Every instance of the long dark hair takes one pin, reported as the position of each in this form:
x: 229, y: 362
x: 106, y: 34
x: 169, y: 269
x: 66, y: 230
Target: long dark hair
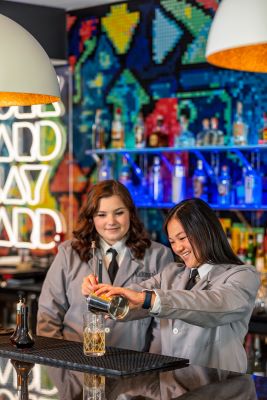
x: 138, y: 240
x: 204, y: 232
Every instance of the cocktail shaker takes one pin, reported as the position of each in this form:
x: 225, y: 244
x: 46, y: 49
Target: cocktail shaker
x: 117, y: 307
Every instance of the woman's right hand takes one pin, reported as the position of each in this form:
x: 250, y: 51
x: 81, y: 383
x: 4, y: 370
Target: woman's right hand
x: 89, y: 284
x: 136, y: 299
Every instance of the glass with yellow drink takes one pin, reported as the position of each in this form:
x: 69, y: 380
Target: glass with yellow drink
x: 93, y: 334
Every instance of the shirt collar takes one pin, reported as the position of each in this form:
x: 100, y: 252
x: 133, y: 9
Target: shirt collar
x: 204, y: 269
x: 118, y: 246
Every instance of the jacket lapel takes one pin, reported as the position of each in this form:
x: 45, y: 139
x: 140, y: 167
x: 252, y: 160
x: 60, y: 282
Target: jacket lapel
x: 184, y: 279
x: 126, y: 270
x: 217, y: 270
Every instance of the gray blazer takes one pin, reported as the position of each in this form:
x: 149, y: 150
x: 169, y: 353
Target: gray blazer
x: 61, y: 303
x: 208, y: 323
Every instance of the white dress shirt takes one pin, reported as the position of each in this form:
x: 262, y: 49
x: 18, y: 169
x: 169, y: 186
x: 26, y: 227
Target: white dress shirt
x: 118, y: 246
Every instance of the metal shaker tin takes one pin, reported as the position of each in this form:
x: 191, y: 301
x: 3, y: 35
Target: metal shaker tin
x: 117, y: 307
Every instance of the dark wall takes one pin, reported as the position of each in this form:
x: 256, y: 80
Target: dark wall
x: 46, y: 24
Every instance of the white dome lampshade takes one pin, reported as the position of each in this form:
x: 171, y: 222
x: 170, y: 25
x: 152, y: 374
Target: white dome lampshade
x: 27, y: 75
x: 238, y: 36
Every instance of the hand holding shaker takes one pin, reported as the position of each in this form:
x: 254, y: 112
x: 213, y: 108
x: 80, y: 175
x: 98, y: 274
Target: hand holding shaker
x: 117, y: 307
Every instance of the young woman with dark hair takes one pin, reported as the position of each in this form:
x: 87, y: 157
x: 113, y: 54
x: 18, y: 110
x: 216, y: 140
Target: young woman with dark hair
x: 205, y: 301
x: 108, y: 218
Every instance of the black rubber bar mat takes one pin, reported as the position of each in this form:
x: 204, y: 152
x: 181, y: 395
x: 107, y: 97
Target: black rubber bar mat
x: 68, y: 354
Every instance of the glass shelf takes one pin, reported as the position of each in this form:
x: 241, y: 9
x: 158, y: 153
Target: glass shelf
x: 145, y: 150
x: 216, y: 207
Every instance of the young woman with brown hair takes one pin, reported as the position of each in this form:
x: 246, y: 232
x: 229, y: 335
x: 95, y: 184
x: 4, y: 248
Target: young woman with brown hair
x: 108, y: 218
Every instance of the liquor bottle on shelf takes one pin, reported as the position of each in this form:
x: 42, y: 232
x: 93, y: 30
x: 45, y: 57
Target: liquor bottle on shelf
x: 23, y: 339
x: 240, y: 127
x: 156, y: 181
x: 98, y: 131
x: 253, y: 184
x: 105, y: 170
x: 216, y: 135
x: 200, y: 140
x: 117, y: 131
x: 263, y: 130
x: 139, y: 132
x: 259, y: 260
x: 200, y: 182
x: 125, y: 175
x: 250, y: 254
x: 178, y: 181
x: 239, y: 188
x: 186, y: 137
x: 224, y: 187
x: 242, y: 251
x: 159, y: 136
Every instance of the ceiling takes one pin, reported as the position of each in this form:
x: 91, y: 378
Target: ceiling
x: 67, y: 4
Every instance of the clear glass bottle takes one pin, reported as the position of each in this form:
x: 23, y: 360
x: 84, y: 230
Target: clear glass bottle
x: 224, y: 187
x: 117, y: 131
x: 98, y: 131
x: 186, y: 138
x: 201, y: 136
x: 200, y: 182
x: 178, y: 181
x: 240, y: 127
x: 125, y: 175
x: 216, y: 135
x: 156, y: 181
x: 139, y: 132
x: 253, y: 185
x: 105, y: 170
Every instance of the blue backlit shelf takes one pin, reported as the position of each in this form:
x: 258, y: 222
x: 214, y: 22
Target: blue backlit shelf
x: 168, y: 205
x: 146, y: 150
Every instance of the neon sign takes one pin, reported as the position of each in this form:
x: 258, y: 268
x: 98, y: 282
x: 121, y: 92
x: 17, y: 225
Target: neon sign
x: 25, y: 172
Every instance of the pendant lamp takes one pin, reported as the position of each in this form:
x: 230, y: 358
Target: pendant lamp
x: 238, y: 36
x: 27, y: 75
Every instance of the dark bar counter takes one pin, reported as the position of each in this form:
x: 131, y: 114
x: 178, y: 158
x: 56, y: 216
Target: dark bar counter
x: 23, y: 379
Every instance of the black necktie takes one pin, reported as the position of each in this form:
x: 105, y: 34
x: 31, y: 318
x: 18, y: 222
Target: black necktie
x: 193, y: 279
x: 113, y: 265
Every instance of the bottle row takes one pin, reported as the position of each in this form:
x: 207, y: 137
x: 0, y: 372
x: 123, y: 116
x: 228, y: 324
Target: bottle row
x: 249, y: 243
x: 156, y: 132
x: 162, y: 179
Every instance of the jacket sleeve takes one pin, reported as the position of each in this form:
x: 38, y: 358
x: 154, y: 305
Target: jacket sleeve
x: 53, y: 302
x: 224, y: 303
